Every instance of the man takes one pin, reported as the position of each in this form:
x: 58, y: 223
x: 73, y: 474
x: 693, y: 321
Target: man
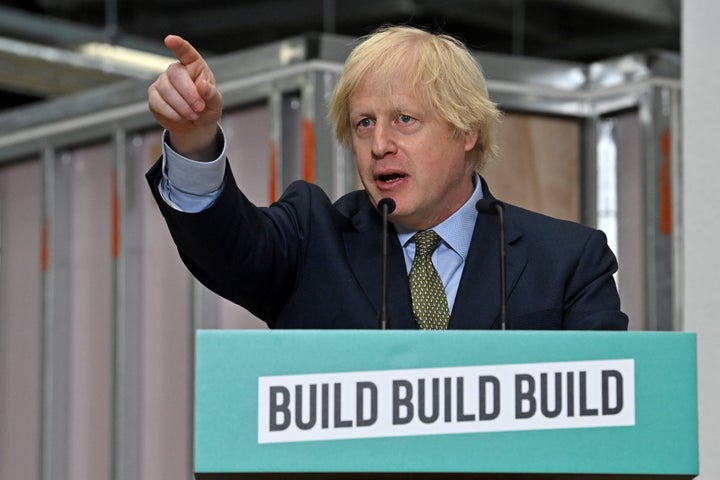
x: 414, y: 108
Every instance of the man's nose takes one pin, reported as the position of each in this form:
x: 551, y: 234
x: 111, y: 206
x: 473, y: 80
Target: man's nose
x: 383, y: 141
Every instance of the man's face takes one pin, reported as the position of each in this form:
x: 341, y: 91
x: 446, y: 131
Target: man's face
x: 405, y: 151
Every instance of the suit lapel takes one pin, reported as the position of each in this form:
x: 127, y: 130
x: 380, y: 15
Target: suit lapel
x: 363, y: 249
x: 477, y: 303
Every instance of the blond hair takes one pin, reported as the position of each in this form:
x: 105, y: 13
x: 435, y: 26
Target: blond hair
x: 442, y: 70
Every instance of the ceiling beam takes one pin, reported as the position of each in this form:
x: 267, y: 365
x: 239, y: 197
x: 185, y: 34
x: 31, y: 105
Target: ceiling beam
x: 42, y: 71
x: 53, y: 31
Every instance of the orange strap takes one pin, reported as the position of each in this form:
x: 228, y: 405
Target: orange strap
x: 272, y: 190
x: 308, y: 150
x: 115, y: 218
x: 665, y: 185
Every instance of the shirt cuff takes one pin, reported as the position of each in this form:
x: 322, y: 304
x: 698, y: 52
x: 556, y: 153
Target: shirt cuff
x: 193, y: 177
x: 188, y: 185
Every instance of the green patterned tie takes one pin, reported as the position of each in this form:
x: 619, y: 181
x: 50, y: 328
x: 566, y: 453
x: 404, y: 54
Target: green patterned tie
x: 426, y: 288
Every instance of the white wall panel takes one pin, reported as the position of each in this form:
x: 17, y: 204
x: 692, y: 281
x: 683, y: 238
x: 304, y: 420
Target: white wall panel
x: 631, y: 219
x: 167, y: 339
x: 20, y: 328
x: 91, y: 345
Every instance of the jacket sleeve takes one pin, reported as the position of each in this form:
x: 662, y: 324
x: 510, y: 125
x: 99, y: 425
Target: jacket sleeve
x: 247, y: 254
x: 591, y: 297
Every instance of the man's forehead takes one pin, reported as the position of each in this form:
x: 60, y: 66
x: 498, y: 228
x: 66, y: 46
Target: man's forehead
x: 395, y: 88
x: 363, y: 101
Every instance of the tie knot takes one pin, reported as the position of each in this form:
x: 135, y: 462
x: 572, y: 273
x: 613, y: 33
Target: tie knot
x: 426, y: 241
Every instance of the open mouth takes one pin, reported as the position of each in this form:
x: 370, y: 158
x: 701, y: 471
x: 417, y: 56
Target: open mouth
x: 391, y: 177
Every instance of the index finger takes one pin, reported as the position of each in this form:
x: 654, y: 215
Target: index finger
x: 182, y: 49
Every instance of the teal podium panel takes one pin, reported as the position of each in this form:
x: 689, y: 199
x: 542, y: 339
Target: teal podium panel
x: 470, y: 404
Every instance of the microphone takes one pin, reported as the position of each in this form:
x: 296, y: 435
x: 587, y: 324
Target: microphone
x: 490, y: 206
x: 386, y: 206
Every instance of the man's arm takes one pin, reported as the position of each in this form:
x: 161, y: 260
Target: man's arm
x: 239, y: 251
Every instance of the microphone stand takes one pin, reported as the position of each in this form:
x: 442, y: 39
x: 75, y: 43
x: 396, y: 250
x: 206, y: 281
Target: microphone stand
x: 386, y: 207
x: 491, y: 206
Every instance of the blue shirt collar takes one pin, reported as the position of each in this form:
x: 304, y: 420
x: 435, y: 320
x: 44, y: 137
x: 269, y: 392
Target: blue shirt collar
x: 456, y: 230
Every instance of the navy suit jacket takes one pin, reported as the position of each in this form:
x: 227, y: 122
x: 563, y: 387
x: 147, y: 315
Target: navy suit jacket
x: 305, y: 262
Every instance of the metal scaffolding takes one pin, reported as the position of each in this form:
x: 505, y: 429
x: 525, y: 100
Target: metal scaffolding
x: 110, y: 348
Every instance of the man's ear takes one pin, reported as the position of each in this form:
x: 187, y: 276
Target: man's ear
x: 470, y: 140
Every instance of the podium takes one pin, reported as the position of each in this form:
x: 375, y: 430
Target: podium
x: 453, y: 404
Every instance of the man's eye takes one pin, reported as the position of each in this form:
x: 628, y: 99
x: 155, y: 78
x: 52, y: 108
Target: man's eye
x: 405, y: 118
x: 364, y: 123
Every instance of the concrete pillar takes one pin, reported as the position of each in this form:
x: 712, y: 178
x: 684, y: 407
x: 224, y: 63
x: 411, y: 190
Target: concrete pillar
x: 700, y: 205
